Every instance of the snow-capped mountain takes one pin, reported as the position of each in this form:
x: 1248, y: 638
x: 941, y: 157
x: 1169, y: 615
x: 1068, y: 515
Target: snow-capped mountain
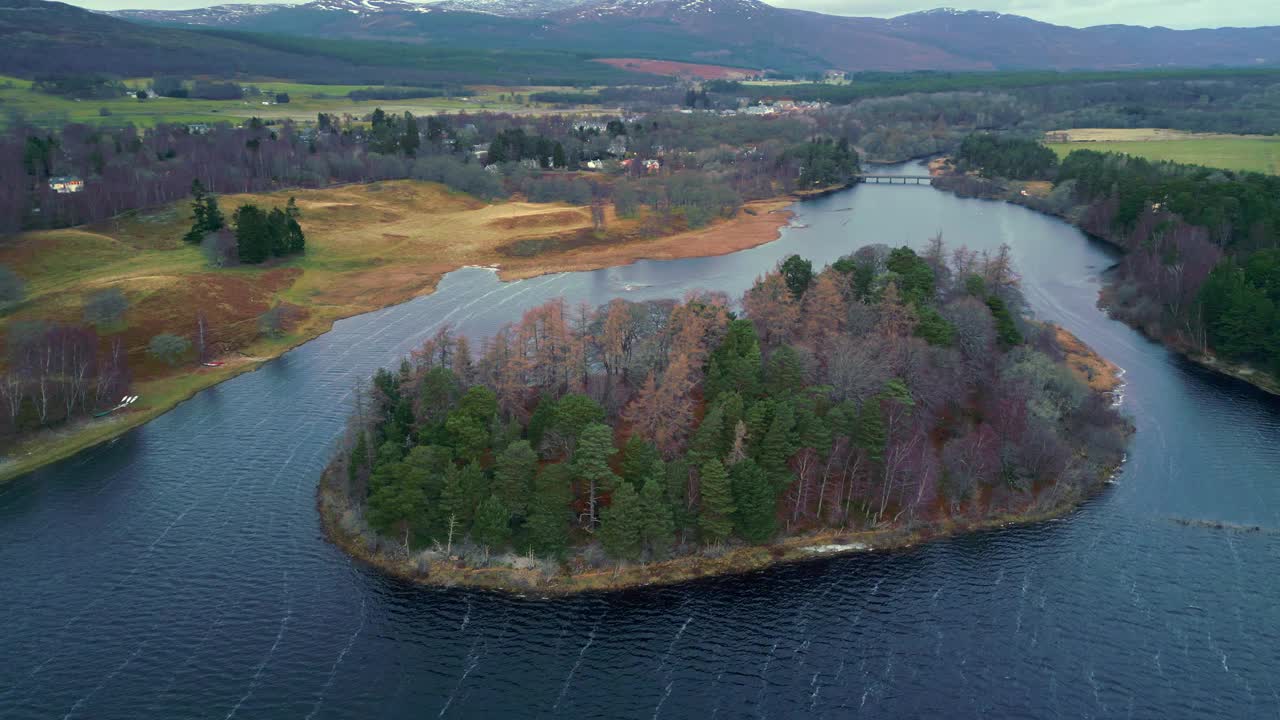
x: 510, y: 8
x: 747, y: 33
x: 215, y: 15
x: 672, y: 9
x: 366, y: 7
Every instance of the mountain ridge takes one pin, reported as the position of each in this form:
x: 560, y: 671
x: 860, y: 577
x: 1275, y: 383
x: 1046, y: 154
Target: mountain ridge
x: 749, y: 33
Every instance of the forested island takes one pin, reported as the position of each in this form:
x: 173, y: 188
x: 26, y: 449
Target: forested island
x: 887, y: 398
x: 1201, y: 270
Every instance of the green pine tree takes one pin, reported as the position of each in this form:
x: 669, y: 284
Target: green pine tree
x: 591, y: 464
x: 871, y: 435
x: 411, y: 140
x: 395, y: 508
x: 708, y: 440
x: 513, y: 475
x: 777, y: 447
x: 359, y: 458
x: 676, y: 481
x: 621, y: 524
x: 638, y: 458
x: 753, y: 496
x: 449, y: 507
x: 475, y: 488
x: 784, y: 376
x: 548, y: 524
x: 253, y: 234
x: 735, y: 364
x: 657, y: 528
x: 716, y: 510
x: 493, y: 524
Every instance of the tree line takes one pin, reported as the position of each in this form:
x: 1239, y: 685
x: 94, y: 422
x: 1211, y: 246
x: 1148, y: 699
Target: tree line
x: 1201, y: 267
x: 891, y: 387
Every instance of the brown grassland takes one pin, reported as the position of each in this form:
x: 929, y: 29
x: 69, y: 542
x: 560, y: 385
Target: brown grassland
x: 368, y: 246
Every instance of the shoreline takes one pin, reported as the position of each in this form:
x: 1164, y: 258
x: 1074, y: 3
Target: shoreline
x: 342, y: 525
x: 762, y: 220
x: 1001, y: 191
x: 741, y: 560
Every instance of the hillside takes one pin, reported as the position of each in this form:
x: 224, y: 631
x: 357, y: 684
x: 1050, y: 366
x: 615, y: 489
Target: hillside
x: 38, y: 38
x: 750, y: 33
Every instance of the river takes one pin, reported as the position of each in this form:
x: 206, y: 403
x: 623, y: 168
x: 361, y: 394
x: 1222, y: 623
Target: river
x: 179, y: 572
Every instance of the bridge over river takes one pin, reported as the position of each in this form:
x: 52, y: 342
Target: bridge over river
x: 895, y: 179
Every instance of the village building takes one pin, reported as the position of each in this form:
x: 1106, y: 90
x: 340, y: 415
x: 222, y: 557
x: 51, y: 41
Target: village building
x: 63, y: 184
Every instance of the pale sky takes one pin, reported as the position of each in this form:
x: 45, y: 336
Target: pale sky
x: 1180, y: 14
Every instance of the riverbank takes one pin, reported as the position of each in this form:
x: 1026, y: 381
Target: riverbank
x: 343, y: 524
x: 1032, y: 195
x: 525, y: 577
x: 369, y: 247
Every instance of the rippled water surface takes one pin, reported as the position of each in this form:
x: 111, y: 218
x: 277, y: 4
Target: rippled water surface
x: 179, y: 571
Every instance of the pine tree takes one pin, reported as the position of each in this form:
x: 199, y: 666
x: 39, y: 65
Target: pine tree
x: 493, y: 524
x: 475, y: 488
x: 359, y: 458
x: 621, y: 523
x: 715, y: 513
x: 213, y: 220
x: 411, y: 140
x: 676, y: 481
x: 784, y: 376
x: 253, y: 234
x: 513, y: 476
x: 198, y: 217
x: 278, y: 223
x: 205, y: 215
x: 395, y: 507
x: 735, y: 364
x: 548, y: 523
x: 777, y: 447
x: 709, y: 437
x: 448, y: 508
x: 558, y: 158
x: 657, y: 528
x: 540, y: 421
x: 753, y: 498
x: 591, y: 464
x: 871, y: 431
x: 638, y: 458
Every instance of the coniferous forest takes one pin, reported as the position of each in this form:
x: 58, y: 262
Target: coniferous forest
x: 891, y: 389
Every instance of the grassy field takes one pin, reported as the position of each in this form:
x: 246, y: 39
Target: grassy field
x: 305, y: 101
x: 1252, y: 153
x: 368, y: 246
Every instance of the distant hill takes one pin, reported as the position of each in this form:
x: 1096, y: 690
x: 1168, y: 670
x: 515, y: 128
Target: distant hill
x: 42, y: 38
x: 749, y: 33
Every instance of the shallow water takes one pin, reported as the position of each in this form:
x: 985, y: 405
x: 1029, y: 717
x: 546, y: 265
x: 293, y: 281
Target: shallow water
x: 180, y: 572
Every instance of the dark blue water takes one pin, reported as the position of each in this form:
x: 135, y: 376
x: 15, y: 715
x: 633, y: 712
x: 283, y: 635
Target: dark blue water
x: 179, y: 572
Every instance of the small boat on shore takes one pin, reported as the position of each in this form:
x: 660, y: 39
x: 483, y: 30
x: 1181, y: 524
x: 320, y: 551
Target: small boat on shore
x: 213, y: 363
x: 125, y: 401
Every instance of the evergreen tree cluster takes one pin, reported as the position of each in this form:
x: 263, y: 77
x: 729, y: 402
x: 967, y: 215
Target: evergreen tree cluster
x: 391, y: 134
x: 823, y: 162
x: 1241, y: 302
x: 1007, y: 157
x: 515, y: 145
x: 206, y: 217
x: 261, y: 235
